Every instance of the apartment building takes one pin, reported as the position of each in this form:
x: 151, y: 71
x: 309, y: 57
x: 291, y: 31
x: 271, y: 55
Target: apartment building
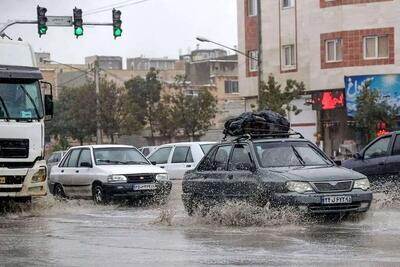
x: 333, y: 46
x: 145, y: 64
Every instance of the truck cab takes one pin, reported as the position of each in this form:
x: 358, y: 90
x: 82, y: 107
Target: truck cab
x: 23, y: 109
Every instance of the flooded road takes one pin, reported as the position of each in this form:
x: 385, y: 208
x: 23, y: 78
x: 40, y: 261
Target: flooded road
x: 77, y: 233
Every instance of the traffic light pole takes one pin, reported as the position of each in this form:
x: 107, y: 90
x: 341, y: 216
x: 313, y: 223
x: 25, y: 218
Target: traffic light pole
x: 13, y: 22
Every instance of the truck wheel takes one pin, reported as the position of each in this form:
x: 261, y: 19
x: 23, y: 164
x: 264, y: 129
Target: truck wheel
x: 99, y: 196
x: 59, y: 192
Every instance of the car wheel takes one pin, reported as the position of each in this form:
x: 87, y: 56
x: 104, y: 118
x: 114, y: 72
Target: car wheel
x: 99, y: 196
x: 59, y: 192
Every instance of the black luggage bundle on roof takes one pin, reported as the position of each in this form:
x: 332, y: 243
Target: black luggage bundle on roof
x: 257, y: 123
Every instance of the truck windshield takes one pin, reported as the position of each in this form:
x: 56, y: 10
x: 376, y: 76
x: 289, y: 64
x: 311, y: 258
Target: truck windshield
x: 20, y: 100
x: 289, y: 154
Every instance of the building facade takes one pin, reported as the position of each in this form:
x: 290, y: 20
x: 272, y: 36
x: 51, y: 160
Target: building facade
x: 145, y: 64
x: 105, y: 62
x: 333, y: 46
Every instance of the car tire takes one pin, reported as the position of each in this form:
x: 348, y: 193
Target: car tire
x: 99, y: 196
x: 59, y: 192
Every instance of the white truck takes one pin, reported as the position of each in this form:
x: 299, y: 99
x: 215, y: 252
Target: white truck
x: 23, y: 109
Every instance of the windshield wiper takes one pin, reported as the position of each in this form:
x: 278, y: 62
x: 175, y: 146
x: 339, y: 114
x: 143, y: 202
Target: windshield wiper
x: 111, y: 161
x: 32, y: 101
x: 136, y: 162
x: 5, y: 109
x: 298, y: 156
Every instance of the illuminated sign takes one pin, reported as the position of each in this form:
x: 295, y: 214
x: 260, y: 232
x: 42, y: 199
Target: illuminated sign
x: 327, y: 100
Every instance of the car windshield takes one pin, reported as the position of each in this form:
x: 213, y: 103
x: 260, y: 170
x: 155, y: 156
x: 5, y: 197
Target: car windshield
x: 289, y: 154
x: 119, y: 156
x: 20, y: 101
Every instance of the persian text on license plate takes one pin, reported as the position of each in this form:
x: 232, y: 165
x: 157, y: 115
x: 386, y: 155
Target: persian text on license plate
x: 336, y: 200
x: 2, y: 180
x: 138, y: 187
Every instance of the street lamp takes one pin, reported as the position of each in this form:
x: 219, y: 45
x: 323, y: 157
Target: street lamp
x: 205, y: 40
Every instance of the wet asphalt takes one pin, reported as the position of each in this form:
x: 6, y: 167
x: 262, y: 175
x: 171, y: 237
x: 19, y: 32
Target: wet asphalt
x: 78, y: 233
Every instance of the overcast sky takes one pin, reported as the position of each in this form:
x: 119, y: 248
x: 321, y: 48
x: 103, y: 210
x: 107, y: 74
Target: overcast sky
x: 154, y: 28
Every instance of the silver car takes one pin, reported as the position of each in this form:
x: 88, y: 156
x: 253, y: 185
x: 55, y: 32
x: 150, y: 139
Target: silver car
x: 105, y: 172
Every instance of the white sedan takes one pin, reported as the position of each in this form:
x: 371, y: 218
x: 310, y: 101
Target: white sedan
x: 104, y: 172
x: 178, y: 158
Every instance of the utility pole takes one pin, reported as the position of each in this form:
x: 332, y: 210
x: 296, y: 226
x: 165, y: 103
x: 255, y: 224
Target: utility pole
x: 260, y: 50
x: 97, y: 80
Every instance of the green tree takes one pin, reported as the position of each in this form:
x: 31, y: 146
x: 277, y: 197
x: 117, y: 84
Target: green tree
x: 166, y: 123
x: 111, y: 108
x: 144, y: 96
x: 273, y: 98
x: 194, y: 113
x: 371, y: 110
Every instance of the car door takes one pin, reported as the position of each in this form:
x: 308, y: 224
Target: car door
x: 181, y: 161
x: 161, y: 156
x: 67, y: 171
x: 212, y: 171
x: 392, y: 166
x: 241, y: 181
x: 373, y: 159
x: 83, y: 177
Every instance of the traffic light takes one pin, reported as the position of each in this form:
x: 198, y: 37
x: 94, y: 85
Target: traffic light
x: 78, y: 22
x: 42, y: 20
x: 117, y: 31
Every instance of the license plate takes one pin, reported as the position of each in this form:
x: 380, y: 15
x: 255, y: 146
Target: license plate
x: 2, y: 180
x: 138, y: 187
x: 336, y: 200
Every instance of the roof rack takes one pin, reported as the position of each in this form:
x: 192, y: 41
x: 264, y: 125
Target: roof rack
x: 257, y: 134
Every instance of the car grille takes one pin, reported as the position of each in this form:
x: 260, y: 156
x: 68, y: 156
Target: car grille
x: 334, y: 186
x: 141, y: 178
x: 334, y: 207
x: 13, y: 179
x: 10, y: 190
x: 14, y: 148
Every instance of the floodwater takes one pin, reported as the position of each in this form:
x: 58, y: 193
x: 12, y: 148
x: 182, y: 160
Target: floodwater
x: 78, y: 233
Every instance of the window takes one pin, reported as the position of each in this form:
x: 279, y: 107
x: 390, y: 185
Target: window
x: 84, y: 157
x: 252, y: 7
x: 206, y: 148
x: 73, y: 158
x: 231, y: 87
x: 289, y: 59
x: 182, y: 154
x: 378, y: 149
x: 376, y: 47
x: 161, y: 155
x: 396, y: 148
x: 221, y: 158
x: 287, y: 3
x: 241, y: 159
x: 334, y: 50
x: 253, y: 60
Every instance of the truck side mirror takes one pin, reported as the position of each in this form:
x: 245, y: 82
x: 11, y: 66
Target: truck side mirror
x: 48, y: 105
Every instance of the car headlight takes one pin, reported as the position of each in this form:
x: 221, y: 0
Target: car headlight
x: 162, y: 177
x: 299, y: 187
x: 362, y: 184
x: 39, y: 176
x: 117, y: 179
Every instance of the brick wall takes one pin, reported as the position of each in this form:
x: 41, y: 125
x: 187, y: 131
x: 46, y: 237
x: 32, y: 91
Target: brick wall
x: 251, y: 36
x: 326, y: 3
x: 353, y: 49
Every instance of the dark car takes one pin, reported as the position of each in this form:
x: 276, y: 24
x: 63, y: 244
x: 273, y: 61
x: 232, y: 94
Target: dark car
x: 281, y: 171
x: 379, y: 160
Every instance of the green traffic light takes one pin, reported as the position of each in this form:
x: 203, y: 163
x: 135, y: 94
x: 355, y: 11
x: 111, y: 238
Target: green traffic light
x: 117, y: 32
x: 43, y: 29
x: 78, y: 31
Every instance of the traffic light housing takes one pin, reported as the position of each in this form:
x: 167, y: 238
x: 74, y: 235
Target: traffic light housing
x: 117, y: 31
x: 42, y: 20
x: 78, y: 22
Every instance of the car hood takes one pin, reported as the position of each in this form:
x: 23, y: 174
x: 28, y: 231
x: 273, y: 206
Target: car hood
x: 131, y: 169
x: 313, y: 174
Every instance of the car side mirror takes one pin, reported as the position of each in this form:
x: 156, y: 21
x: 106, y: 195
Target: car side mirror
x: 338, y: 162
x: 357, y: 156
x: 153, y: 162
x: 86, y: 165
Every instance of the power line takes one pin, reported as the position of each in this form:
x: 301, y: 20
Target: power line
x: 109, y: 6
x: 116, y: 6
